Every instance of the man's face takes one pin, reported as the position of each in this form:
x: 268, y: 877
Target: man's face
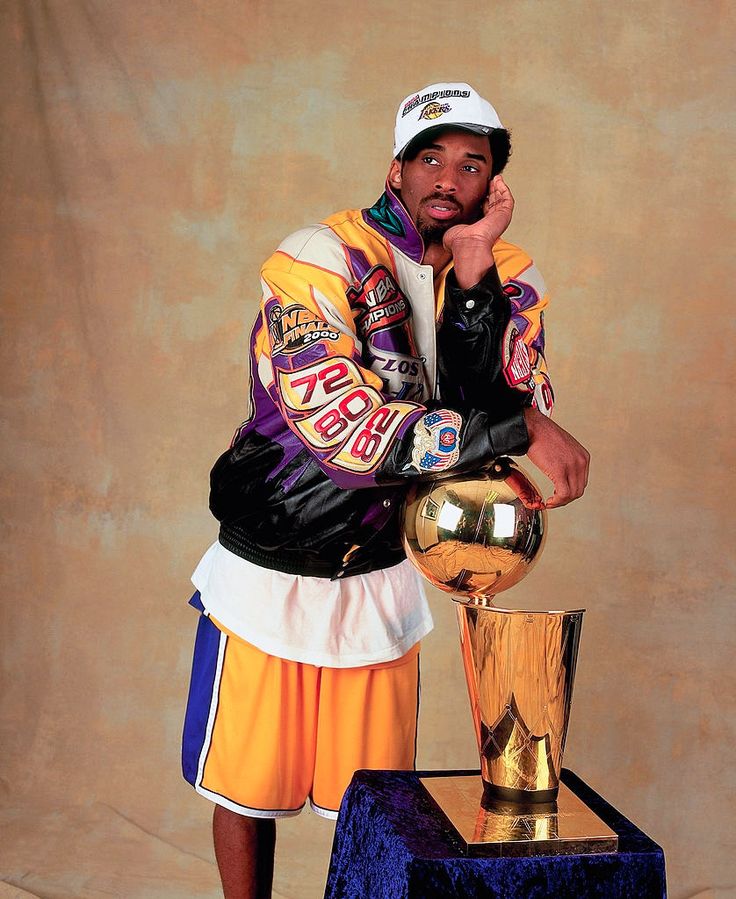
x: 446, y: 183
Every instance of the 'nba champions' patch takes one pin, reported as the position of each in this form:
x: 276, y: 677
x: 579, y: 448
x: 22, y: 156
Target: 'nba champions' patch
x: 517, y: 367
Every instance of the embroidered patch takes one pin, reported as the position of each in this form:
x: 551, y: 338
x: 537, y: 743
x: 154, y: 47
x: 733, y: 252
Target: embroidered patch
x: 294, y: 327
x: 437, y: 441
x: 517, y: 368
x: 434, y: 110
x: 378, y: 302
x: 402, y: 375
x: 331, y: 425
x: 513, y: 290
x: 418, y: 99
x: 314, y: 385
x: 369, y: 445
x: 544, y: 398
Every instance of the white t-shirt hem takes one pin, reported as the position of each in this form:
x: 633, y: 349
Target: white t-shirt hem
x: 347, y: 623
x: 321, y: 659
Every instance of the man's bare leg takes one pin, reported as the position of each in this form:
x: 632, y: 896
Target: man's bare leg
x: 244, y: 849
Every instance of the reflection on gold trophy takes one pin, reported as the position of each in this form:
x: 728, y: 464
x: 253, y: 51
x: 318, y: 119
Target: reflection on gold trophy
x: 474, y: 536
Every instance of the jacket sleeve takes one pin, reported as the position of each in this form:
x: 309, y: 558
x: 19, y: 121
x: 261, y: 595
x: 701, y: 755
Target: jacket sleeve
x: 491, y: 344
x: 309, y: 360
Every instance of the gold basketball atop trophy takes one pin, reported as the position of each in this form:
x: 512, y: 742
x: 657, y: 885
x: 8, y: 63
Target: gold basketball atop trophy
x: 474, y: 535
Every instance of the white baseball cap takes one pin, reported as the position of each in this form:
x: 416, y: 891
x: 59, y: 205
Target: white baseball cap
x: 454, y: 103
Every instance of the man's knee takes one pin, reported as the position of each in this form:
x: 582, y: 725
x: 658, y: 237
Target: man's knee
x: 231, y: 825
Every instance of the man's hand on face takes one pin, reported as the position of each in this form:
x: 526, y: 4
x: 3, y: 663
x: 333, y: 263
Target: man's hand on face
x: 472, y: 245
x: 558, y: 455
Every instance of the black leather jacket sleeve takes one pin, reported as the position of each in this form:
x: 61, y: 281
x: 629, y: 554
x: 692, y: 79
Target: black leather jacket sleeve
x: 470, y: 345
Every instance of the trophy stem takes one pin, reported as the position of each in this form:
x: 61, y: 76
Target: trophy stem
x: 520, y: 669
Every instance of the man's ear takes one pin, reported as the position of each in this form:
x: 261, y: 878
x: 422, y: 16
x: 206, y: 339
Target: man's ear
x: 394, y: 174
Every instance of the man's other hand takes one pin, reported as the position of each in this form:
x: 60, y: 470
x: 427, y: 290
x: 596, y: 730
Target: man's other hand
x: 472, y: 245
x: 558, y: 455
x: 498, y: 208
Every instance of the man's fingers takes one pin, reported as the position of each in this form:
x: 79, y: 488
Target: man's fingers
x: 561, y: 497
x: 583, y: 467
x: 581, y: 479
x: 570, y: 483
x: 531, y: 501
x: 501, y: 188
x: 499, y: 196
x: 568, y: 488
x: 558, y: 455
x: 525, y: 490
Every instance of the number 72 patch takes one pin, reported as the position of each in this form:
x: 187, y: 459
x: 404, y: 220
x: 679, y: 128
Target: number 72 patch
x: 315, y: 385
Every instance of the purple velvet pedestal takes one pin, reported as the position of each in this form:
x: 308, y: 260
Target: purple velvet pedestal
x: 391, y: 842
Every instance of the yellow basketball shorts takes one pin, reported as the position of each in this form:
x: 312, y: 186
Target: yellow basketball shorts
x: 263, y: 734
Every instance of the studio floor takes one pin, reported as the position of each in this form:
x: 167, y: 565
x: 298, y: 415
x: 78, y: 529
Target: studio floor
x: 94, y: 851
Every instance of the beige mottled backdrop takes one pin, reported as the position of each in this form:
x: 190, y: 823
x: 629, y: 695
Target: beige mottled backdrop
x: 153, y: 153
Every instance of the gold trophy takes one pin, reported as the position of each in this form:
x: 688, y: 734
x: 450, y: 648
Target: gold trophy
x: 473, y: 536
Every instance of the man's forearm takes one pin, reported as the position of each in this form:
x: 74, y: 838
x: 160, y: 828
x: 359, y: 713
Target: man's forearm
x: 472, y: 260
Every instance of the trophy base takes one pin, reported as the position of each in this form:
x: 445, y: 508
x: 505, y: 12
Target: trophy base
x: 506, y: 830
x: 537, y: 801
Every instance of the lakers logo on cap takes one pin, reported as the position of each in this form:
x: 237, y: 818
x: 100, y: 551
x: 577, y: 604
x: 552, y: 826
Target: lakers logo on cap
x: 434, y: 110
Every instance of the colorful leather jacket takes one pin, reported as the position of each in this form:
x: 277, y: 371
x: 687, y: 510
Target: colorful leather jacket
x: 366, y: 374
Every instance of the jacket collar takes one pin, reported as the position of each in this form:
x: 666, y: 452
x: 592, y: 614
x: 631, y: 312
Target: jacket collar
x: 388, y: 217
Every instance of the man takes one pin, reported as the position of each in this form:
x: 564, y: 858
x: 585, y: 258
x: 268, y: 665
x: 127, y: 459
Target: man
x: 393, y: 343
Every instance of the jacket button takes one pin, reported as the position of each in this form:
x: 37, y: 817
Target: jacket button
x: 470, y: 304
x: 422, y: 276
x: 386, y: 503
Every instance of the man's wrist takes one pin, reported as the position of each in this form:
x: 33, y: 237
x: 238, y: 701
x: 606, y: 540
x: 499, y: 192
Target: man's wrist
x: 484, y: 298
x: 510, y: 437
x: 530, y: 418
x: 471, y: 262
